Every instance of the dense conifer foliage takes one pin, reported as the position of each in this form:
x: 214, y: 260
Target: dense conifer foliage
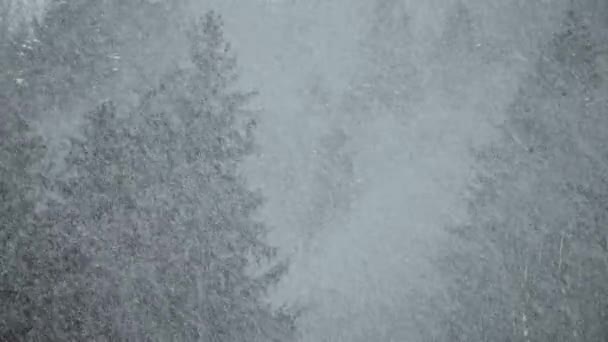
x: 145, y: 230
x: 532, y: 263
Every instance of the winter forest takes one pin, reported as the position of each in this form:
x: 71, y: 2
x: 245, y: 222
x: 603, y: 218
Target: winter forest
x: 291, y: 170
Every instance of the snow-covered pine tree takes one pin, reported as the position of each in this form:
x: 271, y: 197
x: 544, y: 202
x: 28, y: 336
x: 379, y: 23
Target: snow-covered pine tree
x: 532, y: 264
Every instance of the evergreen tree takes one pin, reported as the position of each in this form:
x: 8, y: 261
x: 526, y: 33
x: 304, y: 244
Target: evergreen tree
x: 195, y: 130
x: 531, y: 266
x: 165, y: 221
x: 21, y: 150
x: 83, y: 50
x: 53, y: 67
x: 147, y: 231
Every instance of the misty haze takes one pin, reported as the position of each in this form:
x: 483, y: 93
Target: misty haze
x: 304, y: 170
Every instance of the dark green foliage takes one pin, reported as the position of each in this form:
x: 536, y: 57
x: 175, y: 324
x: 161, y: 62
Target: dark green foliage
x: 533, y: 263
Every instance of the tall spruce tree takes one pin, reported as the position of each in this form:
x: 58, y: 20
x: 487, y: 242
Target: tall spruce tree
x: 54, y: 66
x: 532, y: 264
x: 164, y: 220
x: 195, y: 130
x: 147, y: 231
x: 21, y: 151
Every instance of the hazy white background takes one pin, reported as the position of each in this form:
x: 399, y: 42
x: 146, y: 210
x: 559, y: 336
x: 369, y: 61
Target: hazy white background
x: 413, y: 85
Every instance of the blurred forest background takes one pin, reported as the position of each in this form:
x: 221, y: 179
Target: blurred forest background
x: 341, y: 170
